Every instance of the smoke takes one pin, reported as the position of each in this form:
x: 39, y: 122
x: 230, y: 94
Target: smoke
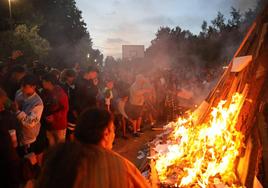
x: 182, y: 62
x: 194, y: 74
x: 67, y: 55
x: 244, y: 5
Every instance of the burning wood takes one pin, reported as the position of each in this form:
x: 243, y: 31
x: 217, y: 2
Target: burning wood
x: 202, y: 155
x: 205, y: 148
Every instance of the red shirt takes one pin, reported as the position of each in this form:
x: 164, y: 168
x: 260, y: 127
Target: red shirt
x: 56, y: 106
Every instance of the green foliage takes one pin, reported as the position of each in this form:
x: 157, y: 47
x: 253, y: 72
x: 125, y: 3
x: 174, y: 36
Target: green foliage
x: 26, y: 40
x: 65, y: 30
x: 29, y: 36
x: 59, y: 22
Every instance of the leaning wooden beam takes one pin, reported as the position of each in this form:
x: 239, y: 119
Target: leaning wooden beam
x: 263, y: 34
x: 153, y: 174
x: 263, y: 131
x: 223, y: 77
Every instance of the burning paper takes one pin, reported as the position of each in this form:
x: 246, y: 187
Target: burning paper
x: 203, y: 155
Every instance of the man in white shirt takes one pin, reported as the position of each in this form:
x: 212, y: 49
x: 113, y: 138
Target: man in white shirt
x: 28, y: 107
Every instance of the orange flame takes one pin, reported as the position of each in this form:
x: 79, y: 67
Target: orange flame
x: 204, y: 154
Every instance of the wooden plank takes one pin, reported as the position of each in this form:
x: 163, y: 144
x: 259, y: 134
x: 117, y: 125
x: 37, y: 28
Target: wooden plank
x: 243, y: 164
x: 251, y: 29
x: 262, y: 37
x: 257, y: 183
x: 263, y: 132
x: 153, y: 174
x: 254, y: 157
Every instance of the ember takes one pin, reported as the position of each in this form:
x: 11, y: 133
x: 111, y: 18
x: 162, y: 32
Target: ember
x: 204, y: 154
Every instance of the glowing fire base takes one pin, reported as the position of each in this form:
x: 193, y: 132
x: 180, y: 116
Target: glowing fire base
x: 202, y: 155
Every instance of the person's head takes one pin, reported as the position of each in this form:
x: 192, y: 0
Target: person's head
x: 95, y: 126
x: 49, y: 81
x: 28, y: 84
x: 56, y: 73
x: 87, y: 166
x: 109, y: 83
x: 17, y: 73
x: 68, y: 76
x: 91, y: 73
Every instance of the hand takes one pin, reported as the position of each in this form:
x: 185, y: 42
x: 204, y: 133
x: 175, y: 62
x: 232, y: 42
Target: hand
x: 14, y: 107
x: 32, y: 158
x: 131, y: 121
x: 95, y: 81
x: 50, y: 119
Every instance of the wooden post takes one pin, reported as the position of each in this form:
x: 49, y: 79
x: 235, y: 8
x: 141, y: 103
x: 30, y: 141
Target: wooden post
x: 153, y: 175
x: 263, y: 132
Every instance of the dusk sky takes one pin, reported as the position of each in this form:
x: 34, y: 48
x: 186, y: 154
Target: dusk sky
x: 112, y: 23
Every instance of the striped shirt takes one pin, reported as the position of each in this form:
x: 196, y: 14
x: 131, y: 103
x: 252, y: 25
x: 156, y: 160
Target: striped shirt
x: 31, y: 108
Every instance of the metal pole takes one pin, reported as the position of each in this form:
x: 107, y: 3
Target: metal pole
x: 10, y: 13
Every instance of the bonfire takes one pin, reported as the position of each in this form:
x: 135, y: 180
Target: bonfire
x: 202, y: 155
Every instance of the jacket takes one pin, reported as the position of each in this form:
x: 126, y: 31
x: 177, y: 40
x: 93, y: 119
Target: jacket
x: 29, y: 115
x: 56, y: 105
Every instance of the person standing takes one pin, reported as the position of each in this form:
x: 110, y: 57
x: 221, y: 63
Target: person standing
x: 56, y: 109
x: 8, y: 118
x: 68, y: 77
x: 12, y: 83
x: 108, y: 94
x: 28, y: 107
x: 136, y: 102
x: 121, y: 106
x: 87, y: 90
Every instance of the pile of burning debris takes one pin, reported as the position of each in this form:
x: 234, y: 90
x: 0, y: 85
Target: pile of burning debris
x: 223, y: 143
x: 189, y: 155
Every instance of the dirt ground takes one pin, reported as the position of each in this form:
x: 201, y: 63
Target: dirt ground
x: 130, y: 148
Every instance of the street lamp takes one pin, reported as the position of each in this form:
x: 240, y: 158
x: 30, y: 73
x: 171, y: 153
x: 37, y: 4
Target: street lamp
x: 10, y: 12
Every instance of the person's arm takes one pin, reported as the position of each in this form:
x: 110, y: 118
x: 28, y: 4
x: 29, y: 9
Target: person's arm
x: 30, y: 119
x: 121, y: 109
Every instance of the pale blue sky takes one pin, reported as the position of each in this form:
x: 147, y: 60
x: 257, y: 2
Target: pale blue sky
x: 112, y: 23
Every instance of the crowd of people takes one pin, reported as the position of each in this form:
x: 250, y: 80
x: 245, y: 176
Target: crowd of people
x: 76, y: 112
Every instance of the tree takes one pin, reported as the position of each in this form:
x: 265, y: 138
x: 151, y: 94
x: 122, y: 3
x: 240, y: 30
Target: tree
x: 185, y: 52
x: 218, y: 22
x: 204, y: 26
x: 60, y: 23
x: 235, y: 20
x: 25, y: 39
x: 66, y: 31
x: 39, y: 46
